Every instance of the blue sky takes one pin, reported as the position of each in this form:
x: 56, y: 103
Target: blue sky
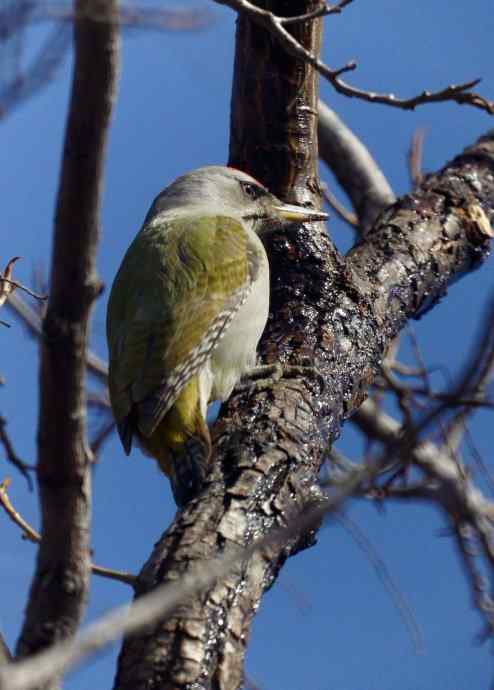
x: 328, y: 624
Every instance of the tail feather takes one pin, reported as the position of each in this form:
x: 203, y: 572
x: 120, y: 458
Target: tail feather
x: 189, y: 466
x: 124, y: 428
x: 181, y: 444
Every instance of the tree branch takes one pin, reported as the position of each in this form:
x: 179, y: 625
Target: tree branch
x: 31, y: 535
x: 12, y: 456
x: 322, y: 11
x: 59, y: 587
x: 165, y: 599
x: 453, y: 492
x: 354, y: 167
x: 459, y: 93
x: 341, y: 315
x: 31, y: 319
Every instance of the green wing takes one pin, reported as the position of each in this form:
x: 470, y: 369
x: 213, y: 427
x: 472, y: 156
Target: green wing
x: 179, y: 285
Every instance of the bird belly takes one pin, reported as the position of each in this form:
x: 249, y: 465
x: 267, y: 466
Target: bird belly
x: 236, y: 352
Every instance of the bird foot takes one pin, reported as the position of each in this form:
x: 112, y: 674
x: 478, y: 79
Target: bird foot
x: 265, y: 376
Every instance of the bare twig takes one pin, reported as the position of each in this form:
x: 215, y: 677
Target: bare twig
x: 130, y: 16
x: 103, y: 435
x: 20, y: 82
x: 23, y: 84
x: 479, y: 460
x: 459, y: 93
x: 452, y: 490
x: 14, y: 284
x: 6, y: 285
x: 98, y: 400
x: 28, y: 532
x: 452, y: 400
x: 464, y: 536
x: 382, y: 571
x: 474, y: 378
x: 340, y: 210
x: 415, y: 157
x: 448, y: 486
x: 322, y: 11
x: 32, y: 321
x: 33, y: 536
x: 355, y: 169
x: 12, y: 456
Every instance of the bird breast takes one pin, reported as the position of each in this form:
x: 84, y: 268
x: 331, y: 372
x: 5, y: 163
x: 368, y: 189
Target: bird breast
x: 235, y: 354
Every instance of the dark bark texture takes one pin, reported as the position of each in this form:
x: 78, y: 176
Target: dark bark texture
x: 337, y: 313
x: 60, y: 583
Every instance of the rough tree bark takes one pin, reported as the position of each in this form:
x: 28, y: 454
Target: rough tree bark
x: 60, y: 583
x: 340, y: 313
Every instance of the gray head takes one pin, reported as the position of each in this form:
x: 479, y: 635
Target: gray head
x: 217, y: 190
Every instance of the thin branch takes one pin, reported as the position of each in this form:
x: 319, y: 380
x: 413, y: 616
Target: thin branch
x: 28, y: 532
x: 476, y: 373
x: 103, y: 435
x: 31, y: 319
x: 459, y: 93
x: 454, y: 492
x: 479, y: 587
x: 354, y: 167
x: 479, y: 460
x: 6, y: 286
x: 130, y: 16
x: 340, y: 210
x: 15, y: 284
x: 20, y: 82
x: 12, y: 456
x: 33, y: 536
x: 322, y: 11
x: 452, y: 400
x: 382, y: 571
x: 415, y: 153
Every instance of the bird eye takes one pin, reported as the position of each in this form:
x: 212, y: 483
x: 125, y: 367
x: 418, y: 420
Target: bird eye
x: 253, y: 191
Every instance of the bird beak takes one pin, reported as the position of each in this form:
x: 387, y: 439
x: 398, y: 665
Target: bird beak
x: 299, y: 214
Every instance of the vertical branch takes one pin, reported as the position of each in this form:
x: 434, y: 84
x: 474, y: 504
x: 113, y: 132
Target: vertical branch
x: 59, y: 587
x: 273, y: 127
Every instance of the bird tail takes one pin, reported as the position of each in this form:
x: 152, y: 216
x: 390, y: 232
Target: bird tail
x: 181, y: 444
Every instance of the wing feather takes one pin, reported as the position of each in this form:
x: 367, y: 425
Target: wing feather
x: 178, y: 288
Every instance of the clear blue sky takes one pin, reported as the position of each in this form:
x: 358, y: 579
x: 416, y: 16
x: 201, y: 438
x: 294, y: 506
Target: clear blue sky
x: 328, y: 624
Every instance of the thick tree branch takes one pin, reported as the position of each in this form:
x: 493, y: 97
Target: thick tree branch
x: 269, y: 446
x: 354, y: 167
x: 166, y: 598
x: 58, y: 591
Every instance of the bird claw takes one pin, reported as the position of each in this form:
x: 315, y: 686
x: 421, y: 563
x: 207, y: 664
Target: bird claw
x: 265, y: 376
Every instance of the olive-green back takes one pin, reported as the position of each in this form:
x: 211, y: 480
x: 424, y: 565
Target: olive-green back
x: 179, y: 284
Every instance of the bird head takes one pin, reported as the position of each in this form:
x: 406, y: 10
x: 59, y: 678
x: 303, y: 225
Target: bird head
x: 217, y: 190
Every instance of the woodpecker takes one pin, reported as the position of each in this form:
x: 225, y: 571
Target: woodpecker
x: 186, y: 311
